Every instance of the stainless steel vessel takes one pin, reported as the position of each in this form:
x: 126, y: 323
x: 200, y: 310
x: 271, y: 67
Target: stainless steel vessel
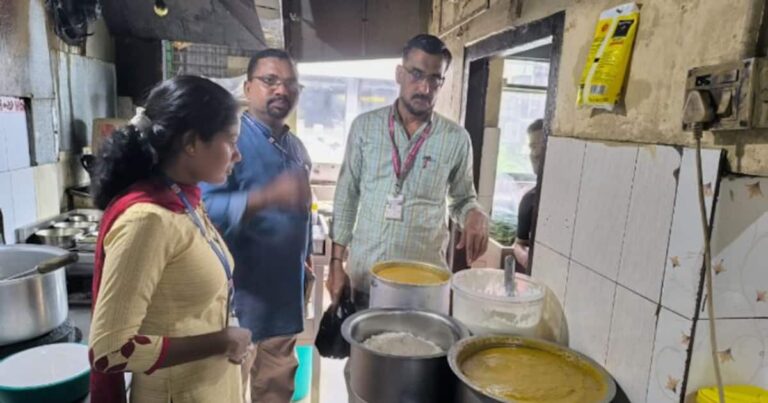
x: 390, y: 294
x: 83, y: 217
x: 384, y: 378
x: 34, y: 305
x: 469, y: 393
x: 83, y: 225
x: 59, y: 237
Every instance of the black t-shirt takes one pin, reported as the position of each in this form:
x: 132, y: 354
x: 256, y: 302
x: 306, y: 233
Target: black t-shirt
x: 526, y: 215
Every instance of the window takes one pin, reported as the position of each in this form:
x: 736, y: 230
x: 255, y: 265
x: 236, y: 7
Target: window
x: 334, y: 94
x: 321, y: 116
x: 523, y: 100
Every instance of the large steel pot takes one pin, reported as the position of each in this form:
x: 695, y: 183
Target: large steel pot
x: 386, y: 293
x: 383, y: 378
x: 469, y: 393
x: 34, y: 305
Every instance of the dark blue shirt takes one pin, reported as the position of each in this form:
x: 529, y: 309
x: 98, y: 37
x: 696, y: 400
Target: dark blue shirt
x: 271, y: 247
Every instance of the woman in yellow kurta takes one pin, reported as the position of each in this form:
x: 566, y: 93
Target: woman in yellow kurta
x: 162, y: 282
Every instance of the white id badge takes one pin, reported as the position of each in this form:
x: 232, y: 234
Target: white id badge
x: 394, y: 209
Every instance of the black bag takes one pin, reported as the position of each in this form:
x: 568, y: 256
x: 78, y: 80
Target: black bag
x: 329, y: 341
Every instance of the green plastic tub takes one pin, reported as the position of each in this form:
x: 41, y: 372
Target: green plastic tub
x: 53, y: 373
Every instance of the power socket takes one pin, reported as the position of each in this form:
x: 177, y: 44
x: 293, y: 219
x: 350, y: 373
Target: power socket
x: 738, y: 91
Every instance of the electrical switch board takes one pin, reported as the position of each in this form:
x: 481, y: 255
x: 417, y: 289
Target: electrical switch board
x: 738, y: 91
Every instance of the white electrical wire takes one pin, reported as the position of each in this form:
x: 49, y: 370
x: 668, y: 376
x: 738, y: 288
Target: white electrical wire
x: 697, y: 132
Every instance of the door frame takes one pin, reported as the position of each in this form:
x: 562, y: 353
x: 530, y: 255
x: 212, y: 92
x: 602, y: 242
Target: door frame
x: 474, y: 91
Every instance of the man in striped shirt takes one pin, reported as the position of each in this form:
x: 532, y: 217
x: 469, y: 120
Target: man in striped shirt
x: 406, y: 169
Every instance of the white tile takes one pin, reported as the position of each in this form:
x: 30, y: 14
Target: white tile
x: 740, y: 249
x: 13, y: 123
x: 741, y: 345
x: 630, y: 345
x: 601, y: 214
x: 670, y: 352
x: 550, y: 268
x: 47, y: 190
x: 560, y: 192
x: 644, y: 249
x: 24, y: 198
x: 3, y: 149
x: 6, y: 205
x: 682, y: 274
x: 588, y: 308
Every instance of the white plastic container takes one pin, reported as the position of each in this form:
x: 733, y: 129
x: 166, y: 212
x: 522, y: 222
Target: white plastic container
x: 481, y: 303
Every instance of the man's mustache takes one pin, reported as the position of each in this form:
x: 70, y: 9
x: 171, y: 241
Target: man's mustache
x: 276, y: 99
x: 425, y: 98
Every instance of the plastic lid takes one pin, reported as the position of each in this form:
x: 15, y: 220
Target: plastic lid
x: 489, y: 284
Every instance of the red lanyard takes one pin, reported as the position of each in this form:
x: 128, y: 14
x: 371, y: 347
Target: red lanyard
x: 402, y: 170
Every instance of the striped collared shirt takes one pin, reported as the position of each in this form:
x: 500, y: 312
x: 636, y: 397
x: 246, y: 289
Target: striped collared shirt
x: 440, y: 183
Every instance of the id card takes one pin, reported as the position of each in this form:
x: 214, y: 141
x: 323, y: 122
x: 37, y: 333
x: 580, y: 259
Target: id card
x: 394, y: 208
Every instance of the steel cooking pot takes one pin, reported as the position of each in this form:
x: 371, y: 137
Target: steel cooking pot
x: 60, y: 237
x: 471, y: 393
x: 84, y: 225
x: 82, y: 217
x: 34, y: 305
x: 377, y: 377
x: 387, y: 293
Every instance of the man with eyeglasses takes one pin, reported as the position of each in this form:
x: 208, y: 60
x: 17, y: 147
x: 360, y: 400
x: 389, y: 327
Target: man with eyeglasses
x: 406, y: 169
x: 271, y: 246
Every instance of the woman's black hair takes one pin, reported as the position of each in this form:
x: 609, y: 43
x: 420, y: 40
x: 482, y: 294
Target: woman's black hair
x: 175, y: 107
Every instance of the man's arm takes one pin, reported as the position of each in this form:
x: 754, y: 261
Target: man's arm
x: 225, y: 204
x: 345, y: 205
x: 228, y: 206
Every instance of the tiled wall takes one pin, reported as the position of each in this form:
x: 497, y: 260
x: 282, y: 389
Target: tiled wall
x: 26, y: 193
x: 17, y: 187
x: 619, y: 241
x: 740, y: 259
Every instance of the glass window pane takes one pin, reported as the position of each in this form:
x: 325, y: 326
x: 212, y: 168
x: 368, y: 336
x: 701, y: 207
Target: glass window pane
x: 514, y: 173
x: 526, y: 72
x: 335, y: 94
x: 375, y: 94
x: 321, y: 117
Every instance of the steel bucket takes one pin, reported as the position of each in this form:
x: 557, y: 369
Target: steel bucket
x: 390, y: 294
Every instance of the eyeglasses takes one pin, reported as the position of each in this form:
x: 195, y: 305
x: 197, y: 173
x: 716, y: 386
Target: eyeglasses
x: 417, y: 76
x: 272, y: 82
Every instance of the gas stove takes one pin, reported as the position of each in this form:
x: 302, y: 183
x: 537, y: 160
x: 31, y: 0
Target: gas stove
x: 80, y: 274
x: 67, y: 332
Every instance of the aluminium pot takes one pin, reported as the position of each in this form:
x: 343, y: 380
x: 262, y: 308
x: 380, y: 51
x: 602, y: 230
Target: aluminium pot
x: 34, y: 305
x: 83, y: 225
x: 377, y: 377
x: 386, y: 293
x: 467, y: 392
x: 60, y: 237
x: 84, y: 217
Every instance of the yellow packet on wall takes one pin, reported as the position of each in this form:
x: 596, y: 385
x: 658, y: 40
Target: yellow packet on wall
x: 603, y: 78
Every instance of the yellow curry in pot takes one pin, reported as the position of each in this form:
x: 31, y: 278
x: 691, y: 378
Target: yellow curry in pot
x: 524, y: 374
x: 413, y: 275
